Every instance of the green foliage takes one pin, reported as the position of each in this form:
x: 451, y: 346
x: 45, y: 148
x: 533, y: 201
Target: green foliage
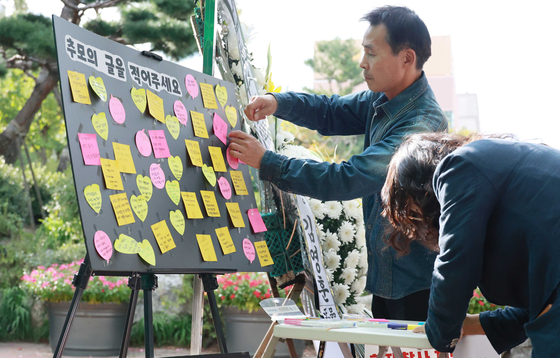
x: 479, y: 303
x: 244, y: 290
x: 15, y: 314
x: 28, y: 34
x: 168, y: 330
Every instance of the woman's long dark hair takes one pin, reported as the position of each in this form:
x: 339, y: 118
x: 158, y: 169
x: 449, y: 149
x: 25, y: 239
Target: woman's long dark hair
x: 408, y: 197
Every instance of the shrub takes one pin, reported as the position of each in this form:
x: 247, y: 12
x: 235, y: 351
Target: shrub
x: 243, y: 290
x: 15, y: 314
x: 479, y: 303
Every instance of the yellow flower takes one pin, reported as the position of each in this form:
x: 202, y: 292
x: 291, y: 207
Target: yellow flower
x: 270, y: 85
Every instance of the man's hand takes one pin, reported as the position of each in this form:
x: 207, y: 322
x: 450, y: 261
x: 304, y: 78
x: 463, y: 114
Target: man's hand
x: 260, y: 107
x: 246, y: 148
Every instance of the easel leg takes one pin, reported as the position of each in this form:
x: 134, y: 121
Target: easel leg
x: 149, y: 283
x: 197, y: 315
x: 80, y: 281
x: 210, y: 284
x: 134, y: 284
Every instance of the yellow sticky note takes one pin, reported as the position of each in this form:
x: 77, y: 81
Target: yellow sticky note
x: 139, y: 205
x: 191, y: 205
x: 235, y: 214
x: 199, y: 124
x: 122, y: 209
x: 221, y: 93
x: 225, y: 240
x: 155, y: 106
x: 111, y: 174
x: 79, y: 88
x: 173, y: 190
x: 207, y: 91
x: 93, y: 197
x: 210, y: 203
x: 217, y: 159
x: 193, y: 148
x: 177, y: 220
x: 124, y: 158
x: 238, y: 182
x: 263, y: 253
x: 127, y: 245
x: 206, y: 247
x: 146, y: 252
x: 163, y: 236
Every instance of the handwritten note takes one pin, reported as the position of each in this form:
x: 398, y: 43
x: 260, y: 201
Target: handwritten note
x: 127, y: 245
x: 235, y: 214
x: 249, y: 250
x: 103, y: 245
x: 220, y: 128
x: 78, y: 86
x: 207, y: 91
x: 209, y: 174
x: 163, y: 236
x: 139, y: 205
x: 124, y: 158
x: 199, y: 125
x: 225, y: 240
x: 93, y: 197
x: 143, y: 143
x: 90, y: 150
x: 177, y: 220
x: 111, y: 174
x: 210, y: 203
x: 139, y: 98
x: 256, y: 220
x: 238, y: 182
x: 173, y: 191
x: 180, y: 112
x: 176, y: 166
x: 231, y: 114
x: 225, y: 188
x: 206, y: 247
x: 98, y: 87
x: 155, y: 106
x: 159, y: 143
x: 144, y: 184
x: 217, y: 159
x: 263, y: 253
x: 221, y: 93
x: 173, y: 126
x: 192, y: 85
x: 193, y: 148
x: 99, y: 122
x: 117, y: 111
x: 233, y: 162
x: 146, y: 252
x: 157, y: 176
x: 122, y: 209
x: 191, y: 205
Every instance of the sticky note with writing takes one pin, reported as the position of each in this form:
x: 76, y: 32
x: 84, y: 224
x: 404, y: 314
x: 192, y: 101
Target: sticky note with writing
x: 111, y: 174
x: 191, y: 205
x: 93, y: 197
x: 163, y: 236
x: 235, y: 214
x: 122, y: 209
x: 238, y: 182
x: 124, y: 158
x: 263, y: 253
x: 206, y: 247
x: 159, y: 143
x: 217, y: 159
x: 155, y: 106
x: 193, y: 148
x: 90, y: 149
x: 199, y: 125
x: 256, y: 220
x: 225, y: 240
x: 78, y: 86
x: 210, y: 203
x: 220, y: 128
x: 208, y: 98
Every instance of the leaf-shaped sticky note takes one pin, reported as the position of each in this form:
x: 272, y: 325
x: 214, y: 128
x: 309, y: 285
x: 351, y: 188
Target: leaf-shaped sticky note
x: 100, y: 125
x: 209, y: 174
x: 231, y: 114
x: 127, y: 245
x: 98, y: 87
x: 177, y: 220
x: 173, y: 190
x: 145, y: 186
x: 103, y: 245
x: 181, y: 112
x: 173, y: 126
x: 176, y: 166
x: 139, y: 98
x: 93, y: 197
x: 146, y: 252
x: 116, y: 109
x: 221, y: 93
x: 139, y: 205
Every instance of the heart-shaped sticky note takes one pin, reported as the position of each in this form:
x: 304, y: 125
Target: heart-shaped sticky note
x: 103, y: 245
x: 98, y: 87
x: 209, y: 174
x: 93, y: 197
x: 139, y: 98
x: 231, y: 114
x: 146, y: 252
x: 176, y: 166
x: 127, y: 245
x: 173, y: 126
x: 173, y: 190
x: 100, y: 125
x: 140, y: 206
x: 177, y: 220
x: 145, y: 186
x: 116, y: 109
x: 221, y: 93
x: 181, y: 112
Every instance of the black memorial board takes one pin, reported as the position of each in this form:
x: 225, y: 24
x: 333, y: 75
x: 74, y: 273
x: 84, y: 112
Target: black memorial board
x: 83, y: 52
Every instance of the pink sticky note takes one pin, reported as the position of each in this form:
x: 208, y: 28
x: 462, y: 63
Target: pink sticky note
x: 90, y: 150
x: 220, y: 128
x: 233, y: 162
x: 143, y: 143
x: 157, y: 176
x: 256, y: 220
x: 103, y: 245
x: 192, y: 86
x: 159, y: 143
x: 225, y: 188
x: 181, y: 112
x: 117, y: 110
x: 249, y: 250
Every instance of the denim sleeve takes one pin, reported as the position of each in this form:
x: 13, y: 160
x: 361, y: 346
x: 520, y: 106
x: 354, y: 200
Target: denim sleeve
x: 504, y: 327
x: 466, y: 199
x: 361, y: 175
x: 333, y: 115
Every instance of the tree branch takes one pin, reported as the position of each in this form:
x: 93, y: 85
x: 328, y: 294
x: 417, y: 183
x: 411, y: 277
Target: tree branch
x: 97, y: 5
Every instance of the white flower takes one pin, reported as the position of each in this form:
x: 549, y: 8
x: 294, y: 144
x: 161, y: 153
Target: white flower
x: 362, y: 272
x: 236, y: 69
x: 352, y: 259
x: 329, y: 274
x: 233, y: 47
x: 317, y: 208
x: 259, y: 76
x: 359, y: 285
x: 360, y: 236
x: 346, y: 232
x: 243, y: 95
x: 320, y: 232
x: 333, y: 209
x: 299, y: 152
x: 332, y: 260
x: 358, y: 308
x: 331, y: 242
x: 363, y: 262
x: 353, y: 208
x: 340, y: 293
x: 348, y: 274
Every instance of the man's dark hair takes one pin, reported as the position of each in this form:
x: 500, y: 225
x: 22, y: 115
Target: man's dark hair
x: 404, y: 30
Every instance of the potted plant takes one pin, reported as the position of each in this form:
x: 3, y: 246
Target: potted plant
x: 98, y: 325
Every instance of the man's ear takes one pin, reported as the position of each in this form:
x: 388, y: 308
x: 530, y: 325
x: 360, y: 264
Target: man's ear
x: 409, y: 57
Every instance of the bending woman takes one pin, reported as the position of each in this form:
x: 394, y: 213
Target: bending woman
x: 491, y: 207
